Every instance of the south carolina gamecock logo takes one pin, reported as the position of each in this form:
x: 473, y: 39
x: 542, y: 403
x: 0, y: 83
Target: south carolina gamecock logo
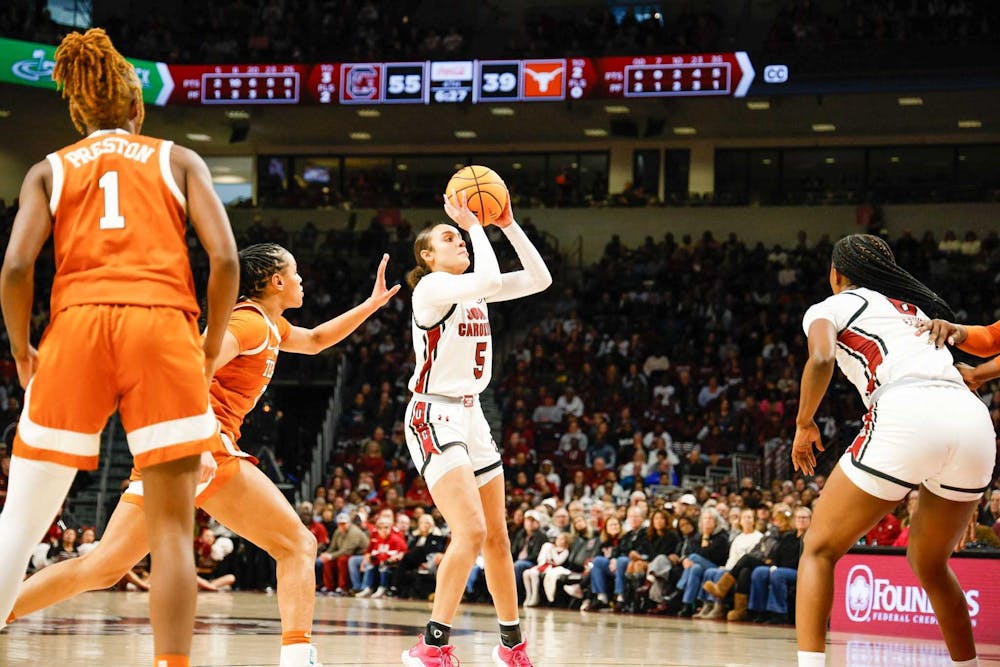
x: 860, y: 593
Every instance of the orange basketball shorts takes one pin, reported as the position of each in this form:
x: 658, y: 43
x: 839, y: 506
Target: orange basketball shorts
x: 146, y: 362
x: 227, y: 457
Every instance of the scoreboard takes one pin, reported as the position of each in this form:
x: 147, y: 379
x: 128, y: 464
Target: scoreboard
x: 237, y: 84
x: 532, y: 80
x: 422, y: 82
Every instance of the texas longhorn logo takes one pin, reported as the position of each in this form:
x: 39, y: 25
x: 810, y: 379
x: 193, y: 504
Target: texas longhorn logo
x: 544, y: 79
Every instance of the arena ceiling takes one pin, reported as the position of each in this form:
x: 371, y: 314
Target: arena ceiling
x: 34, y: 121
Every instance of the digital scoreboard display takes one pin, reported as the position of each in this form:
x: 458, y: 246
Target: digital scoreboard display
x: 237, y: 84
x: 466, y: 81
x: 423, y: 82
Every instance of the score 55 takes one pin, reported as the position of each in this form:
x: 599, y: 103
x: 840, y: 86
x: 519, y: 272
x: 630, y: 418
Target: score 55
x: 405, y: 83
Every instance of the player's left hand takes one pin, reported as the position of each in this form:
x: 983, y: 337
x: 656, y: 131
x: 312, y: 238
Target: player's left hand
x: 941, y: 332
x: 380, y: 294
x: 506, y: 216
x: 26, y: 367
x: 803, y: 456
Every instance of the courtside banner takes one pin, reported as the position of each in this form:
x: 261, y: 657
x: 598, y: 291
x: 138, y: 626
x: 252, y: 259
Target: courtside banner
x: 31, y: 64
x: 880, y: 595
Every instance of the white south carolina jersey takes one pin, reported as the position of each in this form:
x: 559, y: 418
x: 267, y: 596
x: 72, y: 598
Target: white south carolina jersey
x: 877, y: 342
x: 454, y: 356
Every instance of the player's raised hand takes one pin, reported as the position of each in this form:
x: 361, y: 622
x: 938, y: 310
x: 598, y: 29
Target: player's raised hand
x: 803, y: 456
x: 380, y: 294
x: 459, y: 212
x: 506, y: 216
x: 941, y: 332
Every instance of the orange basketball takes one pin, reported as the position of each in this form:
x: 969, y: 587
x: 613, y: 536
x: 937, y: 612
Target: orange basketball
x: 484, y: 191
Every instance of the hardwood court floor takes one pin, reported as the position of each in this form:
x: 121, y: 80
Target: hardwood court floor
x: 242, y: 630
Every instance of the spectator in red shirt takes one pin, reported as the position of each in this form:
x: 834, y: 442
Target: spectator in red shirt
x: 418, y: 495
x: 385, y: 550
x: 885, y: 531
x: 317, y: 528
x: 372, y: 460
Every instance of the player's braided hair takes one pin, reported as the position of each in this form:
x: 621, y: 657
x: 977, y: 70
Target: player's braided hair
x: 257, y: 264
x: 868, y: 262
x: 100, y: 84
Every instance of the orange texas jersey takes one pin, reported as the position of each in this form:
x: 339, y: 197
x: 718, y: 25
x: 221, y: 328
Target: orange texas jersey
x: 238, y: 385
x: 118, y: 224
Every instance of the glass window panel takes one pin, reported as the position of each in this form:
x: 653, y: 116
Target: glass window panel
x: 368, y: 182
x: 421, y: 179
x: 524, y: 174
x: 911, y: 173
x: 676, y: 173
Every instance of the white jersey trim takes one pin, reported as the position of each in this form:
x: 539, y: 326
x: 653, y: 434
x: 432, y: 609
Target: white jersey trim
x: 168, y: 174
x: 271, y: 325
x: 58, y: 177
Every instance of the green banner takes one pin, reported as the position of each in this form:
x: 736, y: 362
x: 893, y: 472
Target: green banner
x: 31, y: 64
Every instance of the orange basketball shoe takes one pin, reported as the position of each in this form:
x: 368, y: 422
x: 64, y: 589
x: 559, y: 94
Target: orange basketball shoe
x: 424, y: 655
x: 512, y: 657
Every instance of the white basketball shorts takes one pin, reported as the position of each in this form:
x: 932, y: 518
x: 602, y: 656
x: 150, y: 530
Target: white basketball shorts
x: 443, y: 433
x: 938, y: 435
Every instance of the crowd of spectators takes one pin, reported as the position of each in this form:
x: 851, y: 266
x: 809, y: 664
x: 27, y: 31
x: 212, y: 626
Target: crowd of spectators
x: 807, y: 24
x: 625, y: 415
x: 625, y: 412
x: 602, y: 31
x: 261, y: 31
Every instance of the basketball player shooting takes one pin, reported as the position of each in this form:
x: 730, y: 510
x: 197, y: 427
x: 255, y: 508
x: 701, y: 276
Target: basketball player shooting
x: 447, y: 435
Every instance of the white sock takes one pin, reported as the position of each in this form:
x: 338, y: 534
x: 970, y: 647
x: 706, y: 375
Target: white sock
x: 35, y: 492
x: 603, y: 597
x: 966, y: 663
x: 812, y: 659
x: 297, y: 655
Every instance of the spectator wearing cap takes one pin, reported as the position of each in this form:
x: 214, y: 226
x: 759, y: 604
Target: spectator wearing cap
x: 570, y: 403
x: 348, y: 540
x: 687, y: 505
x: 526, y: 545
x: 550, y: 474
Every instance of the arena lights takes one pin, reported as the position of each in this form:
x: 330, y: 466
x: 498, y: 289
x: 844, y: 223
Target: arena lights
x: 824, y: 127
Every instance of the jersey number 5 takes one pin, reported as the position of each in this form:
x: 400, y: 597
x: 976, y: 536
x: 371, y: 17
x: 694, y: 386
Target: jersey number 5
x: 111, y: 219
x: 477, y: 370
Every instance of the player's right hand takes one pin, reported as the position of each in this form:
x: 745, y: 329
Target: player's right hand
x: 210, y: 366
x: 207, y: 467
x: 26, y: 367
x: 803, y: 456
x: 969, y: 376
x: 460, y: 213
x: 941, y: 332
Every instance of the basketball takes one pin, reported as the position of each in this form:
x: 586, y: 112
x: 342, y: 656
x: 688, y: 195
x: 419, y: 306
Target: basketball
x: 484, y: 190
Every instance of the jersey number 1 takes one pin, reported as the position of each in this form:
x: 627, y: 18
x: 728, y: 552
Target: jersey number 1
x: 111, y: 219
